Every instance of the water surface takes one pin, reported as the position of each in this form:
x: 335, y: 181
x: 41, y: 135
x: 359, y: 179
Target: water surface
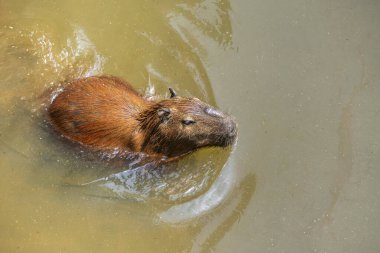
x: 300, y: 77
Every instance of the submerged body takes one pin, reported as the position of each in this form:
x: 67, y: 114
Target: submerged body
x: 105, y: 113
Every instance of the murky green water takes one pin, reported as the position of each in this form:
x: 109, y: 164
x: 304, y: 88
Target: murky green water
x: 300, y: 77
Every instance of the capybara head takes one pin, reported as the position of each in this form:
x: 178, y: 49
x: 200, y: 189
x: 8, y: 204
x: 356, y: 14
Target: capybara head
x: 180, y: 125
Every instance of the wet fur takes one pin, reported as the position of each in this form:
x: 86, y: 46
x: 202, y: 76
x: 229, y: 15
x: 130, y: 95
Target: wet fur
x: 106, y: 114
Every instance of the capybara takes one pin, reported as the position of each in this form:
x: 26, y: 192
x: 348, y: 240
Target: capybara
x: 104, y: 113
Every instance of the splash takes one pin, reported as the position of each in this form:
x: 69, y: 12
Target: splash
x: 78, y: 57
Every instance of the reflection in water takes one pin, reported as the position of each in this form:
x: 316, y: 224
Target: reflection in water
x: 169, y: 182
x: 212, y: 233
x: 204, y: 203
x: 199, y: 25
x: 212, y: 18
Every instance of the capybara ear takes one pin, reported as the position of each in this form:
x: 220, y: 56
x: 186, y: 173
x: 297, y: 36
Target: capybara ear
x: 164, y: 114
x: 172, y: 93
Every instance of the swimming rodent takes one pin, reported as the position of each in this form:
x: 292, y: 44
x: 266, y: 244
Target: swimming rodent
x: 104, y: 113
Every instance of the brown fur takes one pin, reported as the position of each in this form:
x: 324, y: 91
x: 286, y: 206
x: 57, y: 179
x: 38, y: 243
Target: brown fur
x: 107, y: 114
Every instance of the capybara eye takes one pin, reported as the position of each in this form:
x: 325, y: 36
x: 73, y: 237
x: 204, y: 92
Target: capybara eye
x: 188, y: 122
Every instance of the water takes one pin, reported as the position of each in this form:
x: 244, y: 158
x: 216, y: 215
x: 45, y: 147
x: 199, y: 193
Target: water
x: 300, y: 77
